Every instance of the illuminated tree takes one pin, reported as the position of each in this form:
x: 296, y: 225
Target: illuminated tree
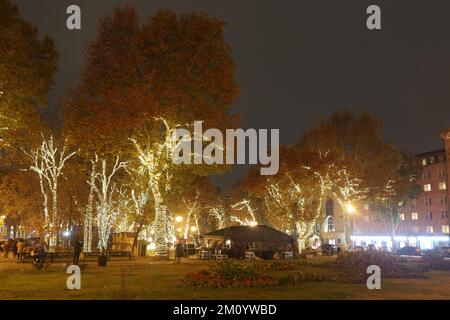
x: 363, y: 162
x: 139, y: 82
x: 27, y: 65
x: 48, y: 163
x: 245, y: 206
x: 20, y: 200
x: 110, y: 199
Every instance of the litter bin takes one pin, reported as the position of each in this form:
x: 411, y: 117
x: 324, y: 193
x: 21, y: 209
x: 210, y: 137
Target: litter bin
x: 102, y: 260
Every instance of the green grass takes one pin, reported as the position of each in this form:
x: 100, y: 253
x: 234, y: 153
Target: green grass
x: 148, y: 279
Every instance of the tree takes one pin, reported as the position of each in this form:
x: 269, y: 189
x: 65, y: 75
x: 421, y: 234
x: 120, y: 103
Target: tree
x: 364, y: 164
x: 20, y: 200
x: 400, y: 187
x: 48, y: 162
x: 168, y: 72
x: 294, y: 197
x: 27, y: 65
x: 110, y: 199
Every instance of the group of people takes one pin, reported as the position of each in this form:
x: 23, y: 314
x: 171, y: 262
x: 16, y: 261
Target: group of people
x: 16, y: 247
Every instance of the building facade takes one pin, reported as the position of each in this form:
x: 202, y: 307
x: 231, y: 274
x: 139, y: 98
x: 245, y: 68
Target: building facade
x: 424, y: 220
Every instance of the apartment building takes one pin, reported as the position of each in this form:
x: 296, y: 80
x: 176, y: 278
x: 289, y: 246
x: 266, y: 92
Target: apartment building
x: 423, y: 221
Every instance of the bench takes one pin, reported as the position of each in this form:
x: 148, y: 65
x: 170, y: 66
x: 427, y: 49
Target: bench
x: 119, y: 254
x: 287, y: 255
x: 250, y: 255
x: 205, y: 255
x: 50, y: 256
x: 220, y: 256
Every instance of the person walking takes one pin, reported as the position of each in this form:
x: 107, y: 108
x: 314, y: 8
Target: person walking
x: 20, y: 249
x: 178, y: 252
x: 14, y: 248
x: 78, y: 245
x: 6, y: 248
x: 41, y: 254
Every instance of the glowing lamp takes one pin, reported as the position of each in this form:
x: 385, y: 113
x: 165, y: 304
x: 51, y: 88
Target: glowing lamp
x: 350, y: 208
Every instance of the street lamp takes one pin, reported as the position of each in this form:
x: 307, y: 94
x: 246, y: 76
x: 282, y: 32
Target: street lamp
x: 179, y: 219
x: 350, y: 208
x: 253, y: 223
x: 193, y: 228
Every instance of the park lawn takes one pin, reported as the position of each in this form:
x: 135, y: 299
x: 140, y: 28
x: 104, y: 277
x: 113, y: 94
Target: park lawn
x: 148, y: 279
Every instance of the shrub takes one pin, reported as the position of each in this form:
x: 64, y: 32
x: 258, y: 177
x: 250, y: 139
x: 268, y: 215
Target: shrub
x: 352, y: 266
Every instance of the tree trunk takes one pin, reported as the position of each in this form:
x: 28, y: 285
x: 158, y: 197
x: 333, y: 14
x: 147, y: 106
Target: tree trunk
x: 161, y: 241
x: 136, y: 236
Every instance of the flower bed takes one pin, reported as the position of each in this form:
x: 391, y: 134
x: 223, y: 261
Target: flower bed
x: 229, y: 273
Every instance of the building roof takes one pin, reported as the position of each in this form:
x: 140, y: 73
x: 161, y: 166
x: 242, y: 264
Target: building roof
x: 431, y: 153
x: 247, y: 233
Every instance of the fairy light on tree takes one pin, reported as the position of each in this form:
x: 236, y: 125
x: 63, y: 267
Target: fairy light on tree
x: 244, y: 205
x: 48, y: 163
x: 155, y: 159
x: 109, y: 197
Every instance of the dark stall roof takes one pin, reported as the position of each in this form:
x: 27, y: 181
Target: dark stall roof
x: 256, y: 233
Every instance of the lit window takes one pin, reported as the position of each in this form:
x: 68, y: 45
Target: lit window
x: 442, y: 186
x: 427, y: 187
x: 428, y: 202
x: 424, y: 161
x: 401, y: 216
x: 429, y: 216
x: 414, y: 216
x: 429, y: 229
x: 330, y: 224
x: 366, y: 207
x: 445, y: 229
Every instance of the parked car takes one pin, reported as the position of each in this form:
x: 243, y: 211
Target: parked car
x: 372, y: 247
x: 439, y: 252
x: 408, y: 251
x: 328, y: 249
x: 359, y: 248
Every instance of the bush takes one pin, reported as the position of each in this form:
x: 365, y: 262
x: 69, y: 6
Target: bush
x: 352, y: 266
x: 229, y: 273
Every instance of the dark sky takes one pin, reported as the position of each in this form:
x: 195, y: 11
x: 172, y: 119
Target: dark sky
x: 299, y: 60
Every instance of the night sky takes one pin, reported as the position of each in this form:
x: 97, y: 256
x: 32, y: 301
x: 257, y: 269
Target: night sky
x: 298, y: 61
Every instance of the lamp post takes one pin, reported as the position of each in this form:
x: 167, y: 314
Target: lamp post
x: 178, y: 220
x: 349, y: 210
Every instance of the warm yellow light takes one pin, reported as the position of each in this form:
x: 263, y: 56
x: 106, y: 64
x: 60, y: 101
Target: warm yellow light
x: 350, y: 208
x: 179, y: 229
x: 253, y: 223
x: 179, y: 219
x: 193, y: 228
